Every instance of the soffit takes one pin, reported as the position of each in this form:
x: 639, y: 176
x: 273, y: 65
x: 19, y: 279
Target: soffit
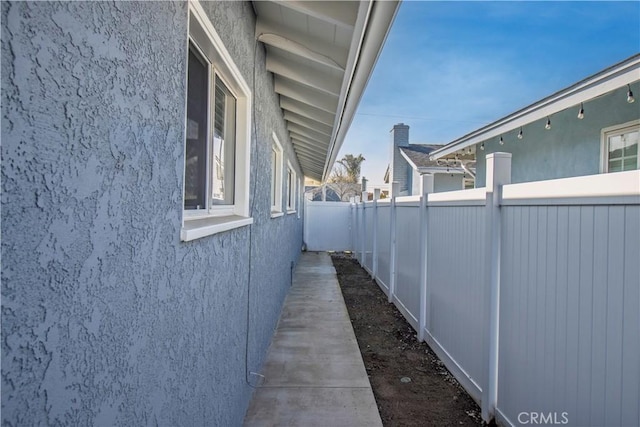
x: 321, y: 54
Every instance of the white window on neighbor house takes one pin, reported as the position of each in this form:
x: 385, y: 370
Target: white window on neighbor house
x: 218, y: 129
x: 620, y: 147
x: 291, y: 189
x: 468, y: 182
x: 276, y: 177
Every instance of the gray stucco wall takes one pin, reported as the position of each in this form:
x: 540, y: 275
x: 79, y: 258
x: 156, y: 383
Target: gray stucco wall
x: 107, y: 318
x: 570, y: 148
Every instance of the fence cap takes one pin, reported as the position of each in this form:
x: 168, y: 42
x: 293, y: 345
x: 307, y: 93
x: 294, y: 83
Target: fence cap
x: 499, y: 154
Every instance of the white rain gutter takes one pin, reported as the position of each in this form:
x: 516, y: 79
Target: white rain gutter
x: 374, y: 27
x: 614, y: 77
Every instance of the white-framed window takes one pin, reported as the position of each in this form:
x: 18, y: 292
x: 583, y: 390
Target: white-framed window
x: 291, y: 189
x: 620, y: 147
x: 276, y: 177
x: 468, y: 182
x: 217, y: 135
x: 300, y: 194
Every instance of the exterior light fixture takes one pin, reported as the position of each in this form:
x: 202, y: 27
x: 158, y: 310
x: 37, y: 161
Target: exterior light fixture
x: 520, y: 134
x: 548, y: 125
x: 581, y: 112
x: 630, y: 98
x: 501, y: 141
x: 482, y: 146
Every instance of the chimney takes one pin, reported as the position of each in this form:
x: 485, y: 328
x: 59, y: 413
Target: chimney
x: 399, y: 169
x: 400, y: 134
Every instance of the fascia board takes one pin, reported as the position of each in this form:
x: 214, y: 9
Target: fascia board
x: 592, y: 87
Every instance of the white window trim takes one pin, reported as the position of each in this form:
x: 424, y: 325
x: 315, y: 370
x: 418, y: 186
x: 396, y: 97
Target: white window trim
x: 276, y: 206
x: 222, y: 218
x: 604, y: 139
x: 300, y: 190
x: 291, y: 192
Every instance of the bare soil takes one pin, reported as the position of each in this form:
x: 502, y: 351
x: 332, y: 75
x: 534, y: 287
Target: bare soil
x: 411, y: 385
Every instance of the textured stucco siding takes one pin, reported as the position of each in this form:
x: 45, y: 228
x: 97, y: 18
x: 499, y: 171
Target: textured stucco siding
x: 107, y: 318
x: 570, y: 148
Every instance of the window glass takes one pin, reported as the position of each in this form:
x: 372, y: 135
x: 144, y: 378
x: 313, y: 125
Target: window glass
x: 274, y: 171
x: 223, y: 149
x: 623, y: 151
x: 196, y: 144
x: 291, y: 190
x: 210, y: 140
x: 217, y: 135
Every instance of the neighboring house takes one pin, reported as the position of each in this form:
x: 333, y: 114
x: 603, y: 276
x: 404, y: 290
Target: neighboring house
x: 152, y: 164
x: 588, y: 128
x: 409, y: 161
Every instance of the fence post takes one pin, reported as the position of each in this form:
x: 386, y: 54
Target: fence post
x: 498, y: 174
x: 363, y: 223
x: 359, y: 232
x: 374, y: 266
x: 352, y: 228
x: 426, y: 184
x: 395, y: 188
x: 305, y: 223
x: 356, y: 237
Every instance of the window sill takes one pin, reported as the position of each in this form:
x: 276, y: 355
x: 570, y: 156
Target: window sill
x: 276, y: 214
x: 197, y: 228
x: 291, y: 212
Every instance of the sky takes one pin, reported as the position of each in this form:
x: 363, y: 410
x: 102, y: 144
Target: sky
x: 450, y: 67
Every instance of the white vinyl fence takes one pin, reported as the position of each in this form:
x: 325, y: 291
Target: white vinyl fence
x: 529, y: 293
x: 327, y: 226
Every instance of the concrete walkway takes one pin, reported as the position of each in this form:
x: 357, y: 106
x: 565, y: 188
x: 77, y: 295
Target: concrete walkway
x: 314, y: 375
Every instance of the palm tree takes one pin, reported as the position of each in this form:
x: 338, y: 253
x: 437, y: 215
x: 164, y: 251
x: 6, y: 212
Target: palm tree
x: 352, y: 167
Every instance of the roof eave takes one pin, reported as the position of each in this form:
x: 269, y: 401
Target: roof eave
x: 374, y: 26
x: 616, y: 76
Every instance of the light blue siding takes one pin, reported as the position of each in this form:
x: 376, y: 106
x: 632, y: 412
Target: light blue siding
x: 446, y: 182
x: 570, y: 148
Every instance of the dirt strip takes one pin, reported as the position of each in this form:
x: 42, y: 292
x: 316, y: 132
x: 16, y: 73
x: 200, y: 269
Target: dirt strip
x: 411, y: 386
